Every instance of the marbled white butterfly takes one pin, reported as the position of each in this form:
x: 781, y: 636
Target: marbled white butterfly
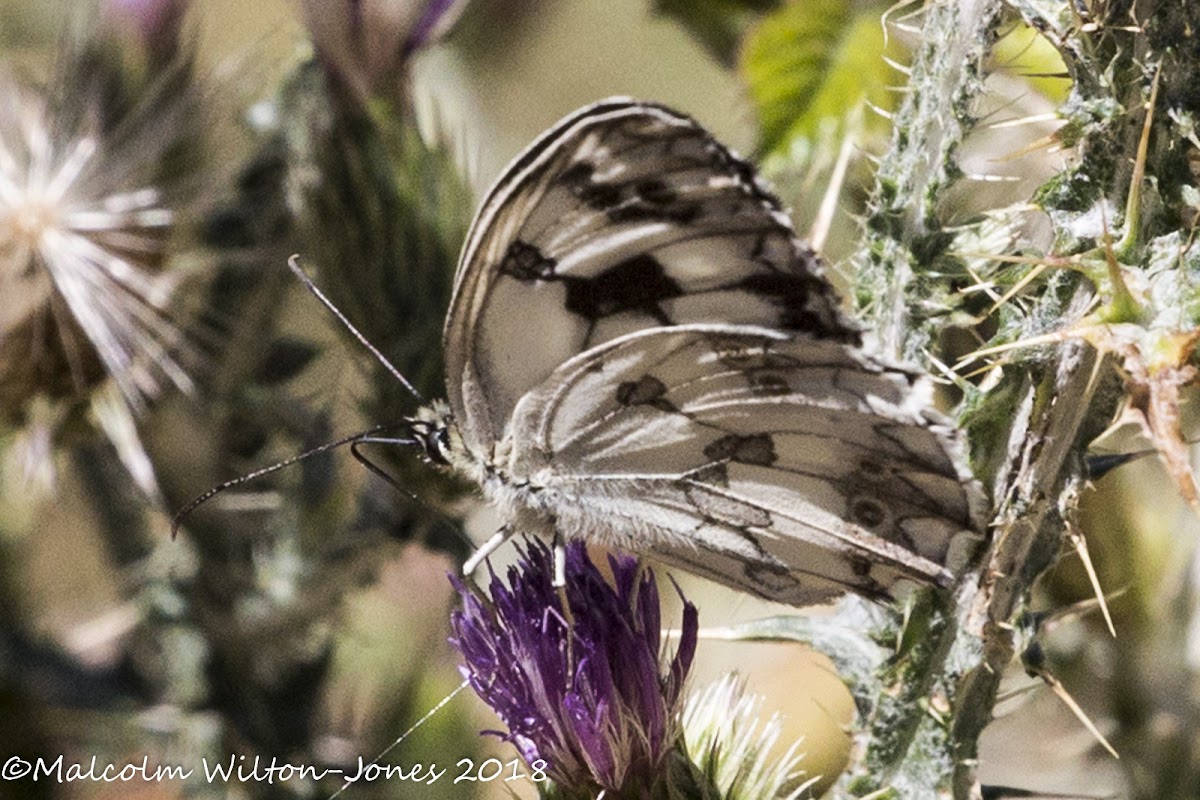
x: 641, y: 353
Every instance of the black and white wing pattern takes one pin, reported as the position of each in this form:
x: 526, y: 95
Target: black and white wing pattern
x: 791, y: 468
x: 624, y: 216
x: 639, y: 351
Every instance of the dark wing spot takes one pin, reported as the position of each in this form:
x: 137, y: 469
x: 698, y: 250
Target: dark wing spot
x: 757, y: 449
x: 768, y: 384
x: 784, y: 287
x: 761, y: 572
x: 580, y: 177
x: 525, y: 262
x: 600, y: 196
x: 578, y: 174
x: 647, y: 199
x: 650, y: 200
x: 637, y: 284
x: 792, y: 294
x: 868, y: 512
x: 712, y: 474
x: 747, y: 178
x: 870, y: 468
x: 655, y: 191
x: 869, y: 586
x: 639, y: 210
x: 646, y: 391
x: 760, y: 246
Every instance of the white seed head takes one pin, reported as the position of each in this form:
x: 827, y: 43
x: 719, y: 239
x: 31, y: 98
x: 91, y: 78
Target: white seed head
x: 728, y: 739
x: 84, y: 230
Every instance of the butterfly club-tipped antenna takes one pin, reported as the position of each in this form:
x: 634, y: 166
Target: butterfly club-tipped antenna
x: 183, y: 513
x: 356, y: 441
x: 294, y: 265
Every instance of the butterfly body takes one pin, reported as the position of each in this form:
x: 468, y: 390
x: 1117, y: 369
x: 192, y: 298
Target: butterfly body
x: 640, y: 352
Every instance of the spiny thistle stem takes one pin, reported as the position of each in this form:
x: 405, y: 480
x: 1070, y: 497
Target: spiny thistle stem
x: 902, y: 230
x: 1031, y: 425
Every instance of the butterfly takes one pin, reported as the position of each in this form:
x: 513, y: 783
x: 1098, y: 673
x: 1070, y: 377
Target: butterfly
x: 640, y: 352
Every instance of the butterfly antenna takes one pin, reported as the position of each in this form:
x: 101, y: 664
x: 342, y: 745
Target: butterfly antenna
x: 294, y: 266
x: 182, y: 514
x: 382, y: 474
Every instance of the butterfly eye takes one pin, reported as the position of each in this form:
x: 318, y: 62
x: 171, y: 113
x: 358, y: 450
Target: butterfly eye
x: 434, y: 441
x: 442, y: 440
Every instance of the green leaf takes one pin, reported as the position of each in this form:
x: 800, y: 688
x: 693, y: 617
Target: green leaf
x: 843, y: 638
x: 814, y: 61
x: 717, y: 24
x: 1030, y: 55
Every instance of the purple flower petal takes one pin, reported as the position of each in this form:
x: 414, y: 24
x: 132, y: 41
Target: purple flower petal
x: 592, y: 697
x: 366, y: 44
x: 437, y: 16
x: 154, y: 25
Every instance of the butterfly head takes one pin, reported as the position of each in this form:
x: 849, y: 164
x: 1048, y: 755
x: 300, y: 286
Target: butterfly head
x: 434, y: 432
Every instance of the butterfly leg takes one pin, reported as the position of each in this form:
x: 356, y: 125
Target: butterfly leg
x: 560, y: 562
x: 486, y: 549
x: 560, y: 583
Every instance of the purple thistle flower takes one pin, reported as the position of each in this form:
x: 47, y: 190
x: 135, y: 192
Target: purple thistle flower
x: 587, y: 689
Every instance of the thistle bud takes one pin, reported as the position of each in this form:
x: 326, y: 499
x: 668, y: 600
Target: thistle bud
x: 152, y: 26
x: 366, y: 44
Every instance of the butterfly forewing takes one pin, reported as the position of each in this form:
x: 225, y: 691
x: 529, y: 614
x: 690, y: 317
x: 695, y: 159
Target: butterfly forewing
x: 789, y: 467
x: 639, y: 351
x: 626, y: 216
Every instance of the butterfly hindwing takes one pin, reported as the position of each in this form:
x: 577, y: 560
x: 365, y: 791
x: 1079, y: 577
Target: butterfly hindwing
x: 626, y: 216
x: 793, y: 468
x: 639, y: 351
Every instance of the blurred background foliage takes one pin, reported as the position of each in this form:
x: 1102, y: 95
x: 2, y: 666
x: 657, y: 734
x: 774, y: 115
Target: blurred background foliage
x: 304, y: 616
